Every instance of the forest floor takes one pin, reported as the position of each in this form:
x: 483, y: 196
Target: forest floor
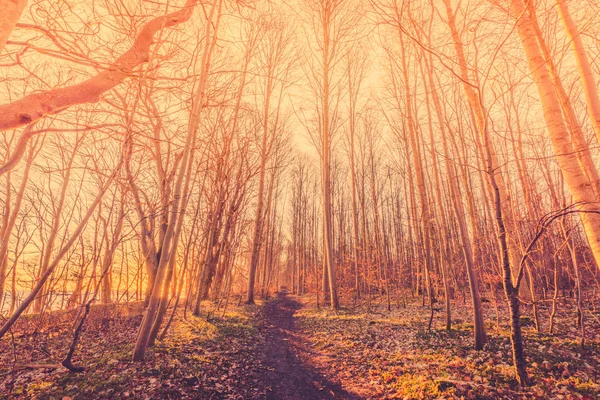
x: 287, y: 348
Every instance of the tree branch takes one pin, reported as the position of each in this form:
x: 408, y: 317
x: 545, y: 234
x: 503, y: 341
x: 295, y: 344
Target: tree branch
x: 38, y: 105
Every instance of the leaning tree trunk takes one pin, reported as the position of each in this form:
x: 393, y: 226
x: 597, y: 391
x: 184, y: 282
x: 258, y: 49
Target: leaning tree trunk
x: 53, y: 101
x: 585, y: 70
x: 579, y: 141
x: 580, y: 187
x: 164, y: 295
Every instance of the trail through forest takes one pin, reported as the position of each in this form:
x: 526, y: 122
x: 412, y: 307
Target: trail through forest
x: 287, y: 348
x: 423, y: 176
x: 291, y: 365
x: 253, y: 352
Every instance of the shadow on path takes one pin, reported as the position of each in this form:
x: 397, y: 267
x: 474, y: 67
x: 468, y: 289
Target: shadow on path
x: 287, y: 376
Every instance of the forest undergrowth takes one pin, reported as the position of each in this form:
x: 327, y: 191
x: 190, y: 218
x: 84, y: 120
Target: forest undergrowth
x: 197, y: 359
x: 359, y: 352
x: 381, y: 354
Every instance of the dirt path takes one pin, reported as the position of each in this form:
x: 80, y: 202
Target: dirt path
x: 287, y: 359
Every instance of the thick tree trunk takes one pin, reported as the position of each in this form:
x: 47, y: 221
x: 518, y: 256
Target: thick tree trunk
x: 37, y: 105
x: 585, y: 70
x: 580, y: 187
x: 580, y: 144
x: 164, y: 295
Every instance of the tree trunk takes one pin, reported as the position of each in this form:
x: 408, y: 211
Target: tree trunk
x: 585, y: 70
x: 143, y: 337
x: 580, y: 144
x: 59, y: 256
x: 11, y: 218
x: 480, y: 123
x: 325, y: 164
x: 580, y: 187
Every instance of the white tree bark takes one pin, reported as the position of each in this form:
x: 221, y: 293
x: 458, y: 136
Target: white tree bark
x: 585, y: 70
x: 580, y: 187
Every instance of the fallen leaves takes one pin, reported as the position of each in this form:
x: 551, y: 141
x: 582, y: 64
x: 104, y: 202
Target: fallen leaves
x: 394, y: 356
x: 373, y: 354
x: 197, y: 360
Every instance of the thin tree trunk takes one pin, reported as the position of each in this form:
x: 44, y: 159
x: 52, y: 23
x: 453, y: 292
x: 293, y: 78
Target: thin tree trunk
x: 325, y: 161
x: 11, y: 218
x: 169, y: 238
x: 59, y: 256
x: 459, y: 213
